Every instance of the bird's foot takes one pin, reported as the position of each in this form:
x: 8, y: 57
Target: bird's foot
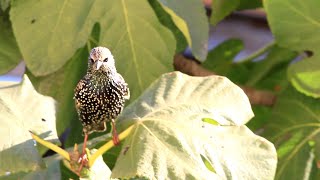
x: 83, y: 161
x: 115, y: 139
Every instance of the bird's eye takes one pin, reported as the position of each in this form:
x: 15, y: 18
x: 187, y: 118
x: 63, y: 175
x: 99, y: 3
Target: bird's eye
x: 105, y: 60
x: 91, y: 60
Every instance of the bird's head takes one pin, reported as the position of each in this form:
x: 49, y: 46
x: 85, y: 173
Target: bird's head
x: 101, y: 60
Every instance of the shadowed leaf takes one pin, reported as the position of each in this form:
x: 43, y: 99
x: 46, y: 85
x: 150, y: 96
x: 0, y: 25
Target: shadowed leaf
x: 9, y: 52
x: 295, y: 121
x: 303, y: 17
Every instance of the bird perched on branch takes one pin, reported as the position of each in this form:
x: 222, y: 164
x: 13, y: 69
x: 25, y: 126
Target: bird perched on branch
x: 100, y: 95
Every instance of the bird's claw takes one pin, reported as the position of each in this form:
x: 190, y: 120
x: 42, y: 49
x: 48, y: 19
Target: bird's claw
x: 82, y: 158
x: 115, y: 139
x: 83, y: 161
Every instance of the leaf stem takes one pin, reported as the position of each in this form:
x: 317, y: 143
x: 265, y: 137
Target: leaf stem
x: 257, y: 53
x: 51, y: 146
x: 108, y: 146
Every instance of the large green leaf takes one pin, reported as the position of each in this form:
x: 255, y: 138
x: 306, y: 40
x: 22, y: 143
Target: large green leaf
x: 295, y: 25
x: 51, y: 172
x: 222, y: 8
x: 177, y: 89
x: 305, y: 74
x: 143, y: 49
x: 269, y: 73
x: 193, y: 25
x: 277, y: 57
x: 9, y: 52
x: 221, y: 57
x: 49, y: 33
x: 221, y: 61
x: 22, y: 110
x: 170, y: 140
x: 249, y: 4
x: 167, y: 20
x: 4, y: 4
x: 294, y: 123
x: 60, y: 85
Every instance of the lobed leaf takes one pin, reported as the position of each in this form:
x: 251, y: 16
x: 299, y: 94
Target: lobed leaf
x: 192, y: 21
x: 4, y: 4
x: 294, y: 123
x: 304, y: 76
x: 22, y: 110
x: 175, y: 89
x: 297, y: 29
x: 9, y: 52
x: 170, y: 138
x: 60, y: 85
x: 222, y: 8
x: 136, y: 38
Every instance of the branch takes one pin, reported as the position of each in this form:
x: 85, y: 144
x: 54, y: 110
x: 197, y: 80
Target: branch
x: 191, y: 67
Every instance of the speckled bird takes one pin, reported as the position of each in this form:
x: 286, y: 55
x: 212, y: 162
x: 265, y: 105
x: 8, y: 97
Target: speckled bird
x: 100, y: 95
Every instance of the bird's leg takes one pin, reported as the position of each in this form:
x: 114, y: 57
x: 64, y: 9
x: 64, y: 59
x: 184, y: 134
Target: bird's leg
x: 83, y: 159
x: 115, y: 137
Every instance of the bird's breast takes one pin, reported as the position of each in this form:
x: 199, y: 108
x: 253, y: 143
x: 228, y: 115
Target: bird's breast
x: 98, y: 101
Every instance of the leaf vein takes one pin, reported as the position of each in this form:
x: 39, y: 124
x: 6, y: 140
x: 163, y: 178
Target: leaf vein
x: 134, y: 56
x: 58, y: 20
x: 303, y: 107
x: 294, y: 9
x: 295, y: 151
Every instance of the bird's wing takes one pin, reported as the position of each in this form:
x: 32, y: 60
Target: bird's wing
x: 127, y: 95
x: 124, y: 85
x: 81, y: 84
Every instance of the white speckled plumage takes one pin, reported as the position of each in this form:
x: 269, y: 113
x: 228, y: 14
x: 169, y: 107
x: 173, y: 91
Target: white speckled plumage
x: 100, y: 95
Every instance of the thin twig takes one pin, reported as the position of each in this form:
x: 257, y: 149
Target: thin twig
x: 189, y: 66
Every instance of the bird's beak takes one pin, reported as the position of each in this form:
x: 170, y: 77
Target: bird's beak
x: 99, y: 64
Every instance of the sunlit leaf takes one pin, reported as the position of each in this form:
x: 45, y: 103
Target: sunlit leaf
x: 22, y: 110
x: 136, y: 38
x: 169, y: 137
x: 222, y: 8
x: 192, y: 22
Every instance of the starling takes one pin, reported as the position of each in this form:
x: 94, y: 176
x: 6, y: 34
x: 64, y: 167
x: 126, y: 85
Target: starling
x: 100, y: 95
